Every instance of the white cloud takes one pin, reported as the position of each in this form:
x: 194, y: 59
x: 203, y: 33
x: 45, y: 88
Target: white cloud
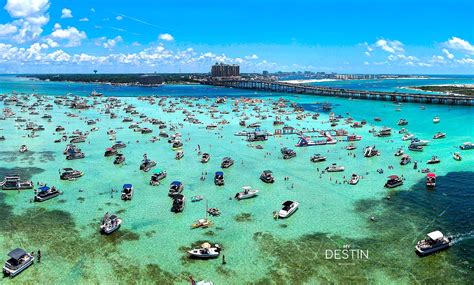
x: 84, y: 20
x: 66, y: 13
x: 119, y: 18
x: 110, y: 43
x: 166, y: 37
x: 367, y: 53
x: 448, y: 54
x: 26, y: 8
x: 57, y: 26
x: 72, y: 35
x: 51, y: 43
x: 30, y: 17
x: 253, y: 56
x: 460, y: 44
x: 7, y: 29
x: 390, y: 46
x: 466, y: 60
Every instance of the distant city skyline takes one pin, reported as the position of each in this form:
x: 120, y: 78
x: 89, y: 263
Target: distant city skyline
x: 401, y: 37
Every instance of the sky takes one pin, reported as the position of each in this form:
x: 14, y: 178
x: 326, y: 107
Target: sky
x: 367, y: 36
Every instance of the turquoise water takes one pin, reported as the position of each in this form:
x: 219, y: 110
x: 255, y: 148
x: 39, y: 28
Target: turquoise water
x: 150, y: 246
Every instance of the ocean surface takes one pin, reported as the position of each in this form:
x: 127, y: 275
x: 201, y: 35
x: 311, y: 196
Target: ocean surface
x: 151, y: 245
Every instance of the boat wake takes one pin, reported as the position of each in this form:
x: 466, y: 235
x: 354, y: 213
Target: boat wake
x: 457, y: 238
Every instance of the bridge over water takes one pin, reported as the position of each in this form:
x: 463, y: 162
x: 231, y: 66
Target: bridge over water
x: 276, y: 86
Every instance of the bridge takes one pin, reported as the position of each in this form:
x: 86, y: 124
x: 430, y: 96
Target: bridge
x: 276, y: 86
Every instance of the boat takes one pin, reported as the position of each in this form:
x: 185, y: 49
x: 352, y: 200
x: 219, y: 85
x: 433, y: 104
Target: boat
x: 457, y: 156
x: 287, y: 153
x: 23, y: 148
x: 354, y: 179
x: 377, y: 119
x: 219, y: 178
x: 370, y: 151
x: 96, y: 94
x: 119, y: 158
x: 402, y: 131
x: 402, y: 122
x: 205, y: 157
x: 405, y: 159
x: 74, y: 154
x: 197, y: 198
x: 434, y: 159
x: 176, y: 187
x: 179, y: 155
x: 416, y: 141
x: 303, y: 141
x: 110, y: 224
x: 434, y: 242
x: 246, y: 193
x: 351, y: 147
x: 393, y: 181
x: 70, y: 174
x: 267, y: 176
x: 157, y: 177
x: 436, y: 120
x: 407, y: 137
x: 147, y: 164
x: 430, y: 180
x: 288, y: 208
x: 19, y: 260
x: 110, y: 151
x: 317, y: 158
x: 352, y: 138
x: 206, y: 251
x: 399, y: 152
x: 384, y: 132
x: 414, y: 147
x: 177, y: 144
x: 13, y: 182
x: 119, y: 144
x: 334, y: 168
x: 467, y: 146
x: 127, y: 192
x: 227, y: 162
x: 45, y: 193
x: 439, y: 135
x: 178, y: 203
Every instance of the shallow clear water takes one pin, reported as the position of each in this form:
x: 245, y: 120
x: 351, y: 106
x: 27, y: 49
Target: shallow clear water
x: 150, y: 246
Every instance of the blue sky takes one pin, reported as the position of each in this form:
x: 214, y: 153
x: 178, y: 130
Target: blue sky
x: 384, y: 36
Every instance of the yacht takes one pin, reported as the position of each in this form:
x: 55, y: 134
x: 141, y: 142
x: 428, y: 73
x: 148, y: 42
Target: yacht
x: 219, y: 178
x: 45, y: 193
x: 23, y: 149
x: 436, y: 120
x: 176, y: 187
x: 317, y: 158
x: 206, y: 251
x: 370, y: 151
x: 246, y: 193
x: 354, y: 179
x: 288, y: 208
x: 227, y: 162
x: 267, y: 176
x: 407, y: 137
x: 434, y: 242
x: 178, y: 203
x: 119, y: 158
x: 430, y: 180
x: 457, y: 156
x: 405, y: 159
x: 434, y: 159
x: 402, y: 122
x: 19, y: 260
x: 416, y: 141
x: 13, y: 182
x: 179, y: 155
x: 70, y: 174
x: 288, y: 153
x: 205, y: 157
x: 393, y: 181
x: 334, y: 168
x: 399, y: 152
x: 127, y: 192
x: 110, y: 224
x: 439, y: 135
x: 467, y: 145
x: 157, y: 177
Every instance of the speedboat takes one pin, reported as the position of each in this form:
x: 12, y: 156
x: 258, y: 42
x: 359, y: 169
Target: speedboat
x: 23, y: 149
x: 246, y: 193
x: 402, y: 131
x: 467, y: 145
x: 436, y: 120
x: 334, y: 168
x: 197, y: 198
x: 157, y: 177
x: 176, y: 187
x: 119, y: 158
x: 227, y: 162
x: 317, y: 158
x: 414, y: 147
x: 407, y: 136
x: 370, y: 151
x: 288, y: 153
x: 354, y: 179
x: 110, y: 224
x: 219, y: 178
x: 399, y: 152
x: 119, y: 144
x: 147, y: 164
x: 177, y: 144
x: 351, y: 147
x: 288, y: 208
x: 430, y: 180
x: 19, y: 260
x: 405, y: 159
x: 127, y: 192
x: 45, y: 193
x: 439, y: 135
x: 434, y: 242
x: 178, y: 203
x: 416, y: 141
x: 70, y: 174
x: 402, y: 122
x: 457, y: 156
x: 110, y: 151
x: 179, y: 155
x: 393, y: 181
x: 267, y: 176
x: 205, y: 157
x: 206, y: 251
x: 434, y: 159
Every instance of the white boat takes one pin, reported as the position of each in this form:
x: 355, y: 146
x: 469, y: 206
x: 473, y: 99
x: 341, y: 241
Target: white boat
x: 334, y: 168
x: 419, y: 142
x: 110, y: 224
x: 467, y: 145
x: 434, y: 242
x: 247, y: 193
x: 439, y: 135
x: 407, y: 137
x: 288, y: 208
x: 206, y: 251
x: 19, y: 261
x: 436, y: 120
x: 399, y: 152
x: 354, y: 179
x: 457, y: 156
x: 23, y: 148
